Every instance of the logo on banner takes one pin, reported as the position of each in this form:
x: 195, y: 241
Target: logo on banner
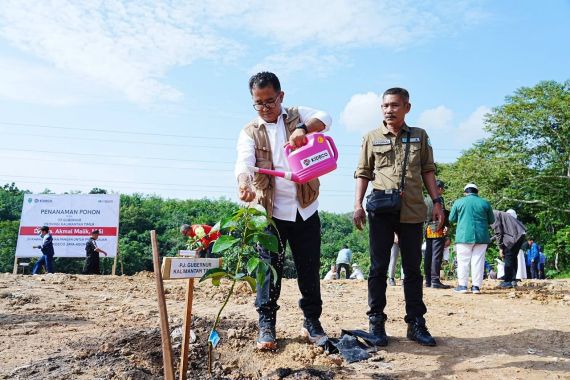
x: 315, y: 159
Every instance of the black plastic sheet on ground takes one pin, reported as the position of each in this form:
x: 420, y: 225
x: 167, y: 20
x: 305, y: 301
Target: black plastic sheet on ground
x: 353, y: 345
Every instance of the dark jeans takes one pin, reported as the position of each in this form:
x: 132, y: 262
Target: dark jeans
x: 45, y: 261
x: 511, y: 261
x: 91, y: 265
x: 534, y: 269
x: 541, y: 271
x: 433, y: 259
x: 346, y: 268
x: 382, y: 229
x: 304, y: 237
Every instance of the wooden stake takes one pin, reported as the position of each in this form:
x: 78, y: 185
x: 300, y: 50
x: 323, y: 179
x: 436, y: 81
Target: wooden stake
x: 164, y: 329
x: 15, y: 270
x: 115, y: 263
x: 186, y: 329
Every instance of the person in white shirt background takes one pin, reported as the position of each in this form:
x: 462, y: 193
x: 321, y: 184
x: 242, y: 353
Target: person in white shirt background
x: 293, y: 207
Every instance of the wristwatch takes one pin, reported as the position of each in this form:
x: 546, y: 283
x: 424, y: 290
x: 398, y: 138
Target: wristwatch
x: 438, y: 200
x: 303, y: 127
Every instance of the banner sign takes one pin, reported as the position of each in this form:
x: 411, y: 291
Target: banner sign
x: 174, y: 268
x: 71, y: 218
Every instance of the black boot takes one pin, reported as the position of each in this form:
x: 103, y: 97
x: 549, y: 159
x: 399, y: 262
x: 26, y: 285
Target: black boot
x: 377, y: 327
x: 418, y: 332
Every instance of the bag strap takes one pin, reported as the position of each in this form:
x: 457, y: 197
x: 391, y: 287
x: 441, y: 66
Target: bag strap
x: 405, y: 163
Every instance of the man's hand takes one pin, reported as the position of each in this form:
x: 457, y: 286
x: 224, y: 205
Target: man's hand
x: 437, y: 214
x: 501, y: 253
x: 359, y: 218
x: 245, y: 191
x: 246, y: 194
x: 297, y: 139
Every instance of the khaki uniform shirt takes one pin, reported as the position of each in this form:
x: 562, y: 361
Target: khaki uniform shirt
x: 381, y: 159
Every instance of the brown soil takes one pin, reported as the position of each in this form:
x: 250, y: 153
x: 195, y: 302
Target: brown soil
x: 102, y: 327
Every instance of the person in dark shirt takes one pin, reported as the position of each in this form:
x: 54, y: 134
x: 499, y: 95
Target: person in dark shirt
x: 47, y: 252
x: 92, y: 251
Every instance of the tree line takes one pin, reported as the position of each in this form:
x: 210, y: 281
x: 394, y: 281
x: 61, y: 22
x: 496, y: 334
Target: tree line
x: 524, y: 164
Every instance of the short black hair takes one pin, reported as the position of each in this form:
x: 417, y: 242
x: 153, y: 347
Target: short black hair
x: 264, y: 79
x: 95, y: 232
x: 402, y: 92
x: 471, y: 190
x: 44, y: 229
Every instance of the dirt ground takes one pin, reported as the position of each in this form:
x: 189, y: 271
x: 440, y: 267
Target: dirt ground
x: 102, y: 327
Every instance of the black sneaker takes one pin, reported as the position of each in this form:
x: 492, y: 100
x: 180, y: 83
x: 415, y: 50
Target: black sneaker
x: 475, y: 290
x: 428, y: 284
x: 418, y: 332
x: 266, y: 339
x: 439, y: 285
x: 505, y: 285
x: 313, y: 330
x: 377, y: 327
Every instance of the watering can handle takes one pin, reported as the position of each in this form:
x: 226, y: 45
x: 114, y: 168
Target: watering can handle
x: 333, y: 147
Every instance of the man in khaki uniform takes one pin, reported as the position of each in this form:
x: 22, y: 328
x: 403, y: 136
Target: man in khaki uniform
x: 381, y: 161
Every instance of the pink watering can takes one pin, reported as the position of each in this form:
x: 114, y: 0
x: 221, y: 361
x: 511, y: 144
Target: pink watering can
x: 318, y: 157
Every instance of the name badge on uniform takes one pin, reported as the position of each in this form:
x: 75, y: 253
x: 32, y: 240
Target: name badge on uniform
x: 381, y: 142
x: 412, y: 140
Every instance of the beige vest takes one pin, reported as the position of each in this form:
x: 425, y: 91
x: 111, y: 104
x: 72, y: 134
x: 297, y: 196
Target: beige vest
x: 264, y: 184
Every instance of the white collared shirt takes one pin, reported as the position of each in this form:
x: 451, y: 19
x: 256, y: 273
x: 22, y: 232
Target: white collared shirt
x: 285, y: 205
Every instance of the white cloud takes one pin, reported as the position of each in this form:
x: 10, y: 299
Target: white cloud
x: 471, y: 129
x: 40, y: 84
x: 440, y: 117
x: 362, y: 112
x: 285, y: 64
x: 127, y: 47
x: 130, y: 46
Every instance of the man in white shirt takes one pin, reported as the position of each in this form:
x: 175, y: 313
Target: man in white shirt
x: 356, y: 273
x: 292, y: 206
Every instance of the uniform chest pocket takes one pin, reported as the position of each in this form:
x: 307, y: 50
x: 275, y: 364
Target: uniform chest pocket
x: 415, y: 153
x: 383, y: 156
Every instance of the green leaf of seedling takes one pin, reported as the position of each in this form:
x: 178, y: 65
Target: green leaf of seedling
x: 251, y: 281
x: 228, y: 223
x: 223, y: 243
x: 260, y: 273
x: 216, y: 274
x: 274, y: 274
x: 252, y: 264
x: 268, y: 241
x: 259, y: 222
x: 259, y: 209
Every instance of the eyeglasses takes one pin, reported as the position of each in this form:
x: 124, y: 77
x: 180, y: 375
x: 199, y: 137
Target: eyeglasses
x: 268, y: 105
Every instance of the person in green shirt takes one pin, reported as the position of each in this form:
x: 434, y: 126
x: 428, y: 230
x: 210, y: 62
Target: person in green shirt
x: 473, y: 216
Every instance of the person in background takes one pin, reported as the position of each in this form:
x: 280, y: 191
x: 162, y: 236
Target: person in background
x: 473, y: 216
x: 343, y: 260
x: 394, y: 253
x: 203, y: 233
x: 331, y: 274
x: 510, y: 235
x: 48, y: 252
x: 541, y: 265
x: 533, y: 258
x: 92, y: 251
x: 435, y: 242
x: 356, y: 273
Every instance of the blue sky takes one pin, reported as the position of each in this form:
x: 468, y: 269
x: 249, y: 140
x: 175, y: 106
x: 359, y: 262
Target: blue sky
x: 149, y: 96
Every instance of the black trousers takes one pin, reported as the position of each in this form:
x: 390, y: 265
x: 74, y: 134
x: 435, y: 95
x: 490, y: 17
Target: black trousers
x: 304, y: 237
x: 534, y: 269
x: 511, y: 260
x: 382, y: 229
x: 92, y: 264
x: 346, y: 269
x: 433, y: 258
